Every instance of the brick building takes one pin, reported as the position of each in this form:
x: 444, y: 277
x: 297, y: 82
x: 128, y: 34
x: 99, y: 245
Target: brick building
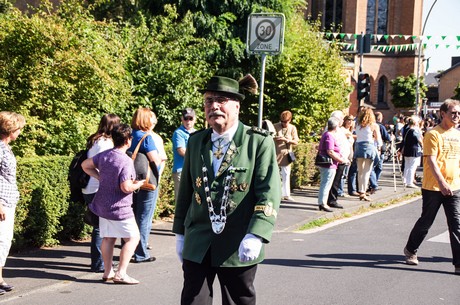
x: 380, y: 18
x: 448, y: 81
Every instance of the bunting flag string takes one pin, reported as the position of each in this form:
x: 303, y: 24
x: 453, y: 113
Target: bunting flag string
x: 442, y: 41
x: 386, y: 37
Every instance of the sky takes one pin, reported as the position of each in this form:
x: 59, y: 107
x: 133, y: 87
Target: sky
x: 443, y: 20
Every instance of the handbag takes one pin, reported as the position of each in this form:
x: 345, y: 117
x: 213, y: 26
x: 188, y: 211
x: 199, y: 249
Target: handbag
x: 91, y: 218
x: 145, y: 169
x: 321, y: 160
x: 291, y: 157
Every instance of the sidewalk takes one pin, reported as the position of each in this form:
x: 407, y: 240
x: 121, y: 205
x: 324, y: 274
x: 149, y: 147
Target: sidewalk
x: 40, y: 269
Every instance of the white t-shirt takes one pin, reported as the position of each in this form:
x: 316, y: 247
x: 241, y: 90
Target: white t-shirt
x: 100, y: 145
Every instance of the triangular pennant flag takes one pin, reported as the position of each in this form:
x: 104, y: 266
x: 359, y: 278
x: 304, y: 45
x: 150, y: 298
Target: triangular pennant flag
x: 428, y: 37
x: 335, y: 35
x: 400, y: 36
x: 414, y: 37
x: 443, y: 37
x: 436, y: 46
x: 398, y: 48
x: 447, y: 46
x: 406, y: 37
x: 424, y: 45
x: 342, y: 35
x: 349, y: 36
x: 386, y: 37
x: 392, y: 36
x: 458, y: 38
x: 458, y: 47
x: 379, y: 37
x: 355, y: 36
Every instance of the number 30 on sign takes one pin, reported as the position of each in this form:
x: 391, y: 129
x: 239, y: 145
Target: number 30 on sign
x: 265, y: 33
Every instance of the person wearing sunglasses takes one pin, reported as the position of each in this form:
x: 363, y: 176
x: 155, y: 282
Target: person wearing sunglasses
x: 179, y: 141
x: 441, y: 183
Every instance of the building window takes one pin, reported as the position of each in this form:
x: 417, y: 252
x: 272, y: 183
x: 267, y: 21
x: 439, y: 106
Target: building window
x: 377, y: 17
x: 382, y: 92
x: 333, y: 15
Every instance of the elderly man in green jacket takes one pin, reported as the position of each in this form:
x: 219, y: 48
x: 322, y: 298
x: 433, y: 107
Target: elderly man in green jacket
x: 229, y: 199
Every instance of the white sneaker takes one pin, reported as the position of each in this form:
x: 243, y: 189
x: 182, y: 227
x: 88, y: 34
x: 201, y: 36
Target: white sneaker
x: 411, y: 258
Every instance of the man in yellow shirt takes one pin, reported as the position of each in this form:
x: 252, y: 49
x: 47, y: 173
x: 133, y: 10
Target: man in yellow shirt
x: 441, y: 183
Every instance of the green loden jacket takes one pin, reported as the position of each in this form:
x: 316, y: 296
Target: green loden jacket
x: 254, y: 198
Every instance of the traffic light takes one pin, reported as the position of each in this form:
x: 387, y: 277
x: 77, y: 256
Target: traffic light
x: 364, y: 85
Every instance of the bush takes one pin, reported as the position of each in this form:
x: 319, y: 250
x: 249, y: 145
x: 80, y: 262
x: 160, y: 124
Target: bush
x: 304, y: 172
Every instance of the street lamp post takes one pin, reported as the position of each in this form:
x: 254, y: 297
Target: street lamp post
x: 417, y: 92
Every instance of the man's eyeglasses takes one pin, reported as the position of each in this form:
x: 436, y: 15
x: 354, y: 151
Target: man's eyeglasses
x: 221, y: 100
x: 455, y: 113
x: 188, y: 119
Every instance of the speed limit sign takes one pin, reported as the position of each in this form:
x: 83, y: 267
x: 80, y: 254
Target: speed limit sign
x: 265, y: 33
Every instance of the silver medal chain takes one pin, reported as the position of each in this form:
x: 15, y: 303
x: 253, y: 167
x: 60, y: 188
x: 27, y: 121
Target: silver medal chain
x: 217, y: 221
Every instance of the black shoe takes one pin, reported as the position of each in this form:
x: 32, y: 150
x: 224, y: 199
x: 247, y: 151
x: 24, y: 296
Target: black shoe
x: 356, y: 194
x: 2, y: 291
x: 149, y: 247
x: 324, y: 208
x: 6, y: 287
x: 148, y: 260
x: 335, y: 205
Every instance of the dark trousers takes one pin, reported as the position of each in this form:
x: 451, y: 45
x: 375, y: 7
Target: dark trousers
x: 432, y: 201
x: 334, y: 192
x: 352, y: 177
x: 236, y: 283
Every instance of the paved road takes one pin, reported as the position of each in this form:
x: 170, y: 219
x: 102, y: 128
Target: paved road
x: 358, y: 262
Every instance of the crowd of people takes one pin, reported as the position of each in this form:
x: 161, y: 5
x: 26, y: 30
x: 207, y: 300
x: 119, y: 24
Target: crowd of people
x: 229, y: 187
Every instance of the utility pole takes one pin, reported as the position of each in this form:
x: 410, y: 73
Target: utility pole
x: 417, y: 89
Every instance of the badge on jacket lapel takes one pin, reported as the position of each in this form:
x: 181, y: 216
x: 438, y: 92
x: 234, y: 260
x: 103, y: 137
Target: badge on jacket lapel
x: 197, y: 198
x: 198, y: 182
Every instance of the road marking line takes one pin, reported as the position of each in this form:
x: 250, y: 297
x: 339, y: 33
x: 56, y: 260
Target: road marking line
x: 441, y: 238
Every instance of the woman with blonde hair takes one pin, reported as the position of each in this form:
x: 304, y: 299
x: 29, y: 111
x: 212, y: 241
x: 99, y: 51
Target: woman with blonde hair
x: 11, y: 124
x: 368, y: 142
x: 285, y: 139
x: 144, y: 201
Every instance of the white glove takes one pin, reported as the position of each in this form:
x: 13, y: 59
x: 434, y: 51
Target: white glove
x: 249, y: 248
x: 179, y: 246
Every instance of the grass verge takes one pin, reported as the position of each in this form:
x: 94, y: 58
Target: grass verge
x: 361, y: 210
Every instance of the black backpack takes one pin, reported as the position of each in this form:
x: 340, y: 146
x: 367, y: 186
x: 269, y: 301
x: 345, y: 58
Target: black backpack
x: 78, y: 179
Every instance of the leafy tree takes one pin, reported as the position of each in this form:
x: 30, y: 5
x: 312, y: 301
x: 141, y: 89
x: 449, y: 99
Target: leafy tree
x: 404, y: 91
x: 168, y: 64
x: 307, y: 78
x: 457, y: 92
x: 61, y: 71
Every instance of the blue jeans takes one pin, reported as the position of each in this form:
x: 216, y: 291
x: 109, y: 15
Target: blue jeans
x: 431, y: 202
x: 376, y: 171
x: 144, y: 209
x: 343, y: 180
x: 352, y: 175
x: 97, y: 264
x: 327, y: 178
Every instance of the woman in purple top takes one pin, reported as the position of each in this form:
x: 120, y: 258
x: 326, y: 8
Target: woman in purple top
x: 112, y: 203
x: 328, y: 146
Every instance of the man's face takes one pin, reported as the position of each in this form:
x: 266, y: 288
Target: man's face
x: 221, y: 111
x: 452, y: 116
x: 188, y: 122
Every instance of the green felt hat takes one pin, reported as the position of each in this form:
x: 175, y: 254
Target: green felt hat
x: 224, y: 85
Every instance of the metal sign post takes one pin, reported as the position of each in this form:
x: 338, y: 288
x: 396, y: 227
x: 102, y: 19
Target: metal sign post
x: 265, y: 37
